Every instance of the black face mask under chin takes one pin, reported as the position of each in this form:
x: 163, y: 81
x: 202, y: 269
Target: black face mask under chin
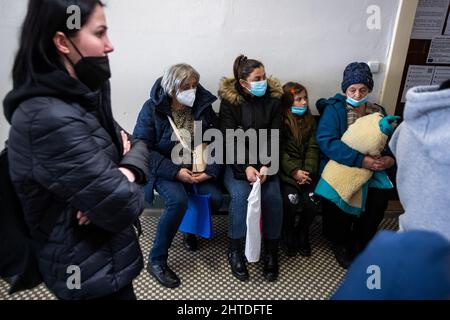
x: 92, y: 71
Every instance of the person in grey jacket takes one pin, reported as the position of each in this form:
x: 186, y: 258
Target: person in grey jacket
x: 69, y: 160
x: 422, y: 145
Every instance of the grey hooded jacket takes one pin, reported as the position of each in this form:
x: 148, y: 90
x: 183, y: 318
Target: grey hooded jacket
x: 421, y: 145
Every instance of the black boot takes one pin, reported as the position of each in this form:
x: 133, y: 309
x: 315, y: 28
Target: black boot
x: 236, y: 259
x: 289, y: 227
x: 304, y: 246
x: 303, y: 243
x: 270, y: 270
x: 288, y: 242
x: 344, y: 255
x: 190, y: 241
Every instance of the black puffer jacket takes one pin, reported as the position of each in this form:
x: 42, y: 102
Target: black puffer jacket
x: 63, y: 161
x: 246, y: 112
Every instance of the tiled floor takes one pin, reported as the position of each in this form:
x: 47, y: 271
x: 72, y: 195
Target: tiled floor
x: 205, y: 274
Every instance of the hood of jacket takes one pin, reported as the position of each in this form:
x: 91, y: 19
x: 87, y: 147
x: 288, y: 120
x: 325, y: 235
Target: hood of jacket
x: 228, y: 92
x: 161, y: 100
x: 59, y: 84
x: 421, y: 145
x: 56, y: 84
x: 427, y: 118
x: 321, y: 104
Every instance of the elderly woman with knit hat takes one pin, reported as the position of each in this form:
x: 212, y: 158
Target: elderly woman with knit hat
x: 350, y: 234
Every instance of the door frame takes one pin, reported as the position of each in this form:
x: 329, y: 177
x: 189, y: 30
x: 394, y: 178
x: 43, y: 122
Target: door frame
x: 398, y: 52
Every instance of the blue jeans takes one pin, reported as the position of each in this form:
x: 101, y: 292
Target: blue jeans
x: 175, y: 195
x: 271, y: 206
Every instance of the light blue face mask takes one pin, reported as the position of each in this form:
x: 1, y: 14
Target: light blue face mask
x: 298, y: 111
x: 355, y: 103
x: 258, y: 88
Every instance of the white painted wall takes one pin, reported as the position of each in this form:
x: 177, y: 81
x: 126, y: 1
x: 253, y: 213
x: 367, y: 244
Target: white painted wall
x: 303, y: 40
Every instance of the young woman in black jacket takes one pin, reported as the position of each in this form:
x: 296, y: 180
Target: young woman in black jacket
x: 250, y: 102
x: 69, y: 159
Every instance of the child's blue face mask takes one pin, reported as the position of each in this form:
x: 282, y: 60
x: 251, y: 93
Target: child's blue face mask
x: 355, y: 103
x: 299, y: 111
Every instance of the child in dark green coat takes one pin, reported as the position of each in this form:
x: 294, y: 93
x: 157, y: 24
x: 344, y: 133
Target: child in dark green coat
x: 299, y: 168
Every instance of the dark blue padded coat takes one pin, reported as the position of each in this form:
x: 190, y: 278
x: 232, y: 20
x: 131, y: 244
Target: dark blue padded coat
x: 154, y: 128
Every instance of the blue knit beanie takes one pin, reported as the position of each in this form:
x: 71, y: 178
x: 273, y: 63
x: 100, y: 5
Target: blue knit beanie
x: 355, y: 73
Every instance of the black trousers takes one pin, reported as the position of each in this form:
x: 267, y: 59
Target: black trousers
x: 342, y: 228
x: 297, y: 214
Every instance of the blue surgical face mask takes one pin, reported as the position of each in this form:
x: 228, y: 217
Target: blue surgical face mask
x: 298, y: 111
x: 355, y: 103
x: 258, y: 88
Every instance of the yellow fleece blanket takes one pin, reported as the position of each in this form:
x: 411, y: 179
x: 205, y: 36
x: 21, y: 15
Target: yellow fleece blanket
x: 344, y: 185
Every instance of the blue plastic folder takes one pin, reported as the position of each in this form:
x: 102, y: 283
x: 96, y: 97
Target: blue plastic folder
x: 197, y: 219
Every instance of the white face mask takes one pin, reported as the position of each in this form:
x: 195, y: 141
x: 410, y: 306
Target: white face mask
x: 187, y: 97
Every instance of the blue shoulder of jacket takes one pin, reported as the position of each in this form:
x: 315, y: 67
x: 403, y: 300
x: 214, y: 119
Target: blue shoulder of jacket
x: 337, y: 102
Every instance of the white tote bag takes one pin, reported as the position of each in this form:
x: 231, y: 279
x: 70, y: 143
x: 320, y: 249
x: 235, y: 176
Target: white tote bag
x: 199, y: 157
x: 253, y: 239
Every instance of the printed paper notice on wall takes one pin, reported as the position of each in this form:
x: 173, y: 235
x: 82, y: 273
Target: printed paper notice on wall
x: 430, y: 19
x: 441, y: 74
x: 439, y: 51
x: 418, y: 76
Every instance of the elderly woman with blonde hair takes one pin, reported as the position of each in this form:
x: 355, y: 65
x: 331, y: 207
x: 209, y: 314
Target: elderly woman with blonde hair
x: 176, y: 99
